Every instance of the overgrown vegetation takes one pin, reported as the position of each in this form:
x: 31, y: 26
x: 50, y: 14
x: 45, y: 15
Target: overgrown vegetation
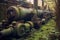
x: 44, y: 32
x: 51, y: 4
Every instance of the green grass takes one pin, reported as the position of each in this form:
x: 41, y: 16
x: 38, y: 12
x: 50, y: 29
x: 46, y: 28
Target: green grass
x: 44, y: 32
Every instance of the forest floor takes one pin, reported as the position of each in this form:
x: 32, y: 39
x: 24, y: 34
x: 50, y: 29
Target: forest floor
x: 43, y: 33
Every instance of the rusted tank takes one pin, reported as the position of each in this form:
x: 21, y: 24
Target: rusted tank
x: 21, y: 13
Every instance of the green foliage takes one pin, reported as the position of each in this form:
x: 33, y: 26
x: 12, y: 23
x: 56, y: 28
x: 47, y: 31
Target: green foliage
x: 51, y: 4
x: 44, y: 32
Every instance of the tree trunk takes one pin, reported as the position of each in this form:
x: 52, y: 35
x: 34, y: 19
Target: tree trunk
x: 58, y: 15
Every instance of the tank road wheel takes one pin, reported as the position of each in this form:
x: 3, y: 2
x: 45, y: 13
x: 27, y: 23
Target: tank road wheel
x: 12, y: 12
x: 31, y: 25
x: 21, y: 30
